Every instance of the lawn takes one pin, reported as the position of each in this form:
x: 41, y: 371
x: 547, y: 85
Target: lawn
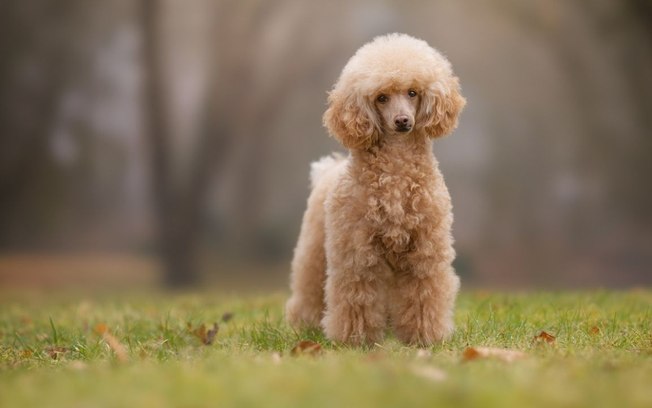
x: 150, y: 350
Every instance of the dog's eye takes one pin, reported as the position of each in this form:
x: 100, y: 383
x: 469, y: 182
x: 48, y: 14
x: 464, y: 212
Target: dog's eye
x: 412, y: 93
x: 382, y: 98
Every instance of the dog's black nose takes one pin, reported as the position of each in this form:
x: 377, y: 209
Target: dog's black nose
x: 401, y: 121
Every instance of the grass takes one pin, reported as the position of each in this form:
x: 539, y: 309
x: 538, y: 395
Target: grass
x: 53, y: 353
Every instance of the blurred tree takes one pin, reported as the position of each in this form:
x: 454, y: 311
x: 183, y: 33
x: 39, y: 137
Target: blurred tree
x: 178, y: 205
x: 593, y: 178
x: 36, y: 67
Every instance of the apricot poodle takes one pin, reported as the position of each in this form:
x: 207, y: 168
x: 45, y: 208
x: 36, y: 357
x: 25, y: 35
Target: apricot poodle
x: 375, y: 246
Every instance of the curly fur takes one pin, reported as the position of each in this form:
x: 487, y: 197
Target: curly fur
x: 375, y: 245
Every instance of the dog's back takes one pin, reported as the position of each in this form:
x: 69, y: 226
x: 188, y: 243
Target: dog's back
x: 325, y: 167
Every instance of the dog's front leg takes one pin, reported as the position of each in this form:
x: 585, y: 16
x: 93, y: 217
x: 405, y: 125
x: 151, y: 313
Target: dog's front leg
x: 356, y: 290
x: 423, y: 300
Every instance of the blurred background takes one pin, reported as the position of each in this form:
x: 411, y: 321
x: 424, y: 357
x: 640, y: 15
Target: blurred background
x: 149, y: 143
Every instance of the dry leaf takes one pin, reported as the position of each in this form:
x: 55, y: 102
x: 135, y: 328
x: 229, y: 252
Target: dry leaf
x: 423, y: 354
x: 120, y: 351
x: 205, y: 336
x: 227, y: 316
x: 26, y: 353
x: 306, y: 347
x: 56, y: 351
x: 430, y: 373
x: 210, y: 335
x: 117, y: 347
x: 594, y: 330
x: 199, y: 332
x: 545, y: 336
x: 507, y: 355
x: 100, y: 328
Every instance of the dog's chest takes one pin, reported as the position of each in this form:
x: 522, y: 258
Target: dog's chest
x: 397, y: 203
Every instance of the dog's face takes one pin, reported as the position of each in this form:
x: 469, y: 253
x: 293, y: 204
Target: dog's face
x: 397, y: 110
x: 393, y: 86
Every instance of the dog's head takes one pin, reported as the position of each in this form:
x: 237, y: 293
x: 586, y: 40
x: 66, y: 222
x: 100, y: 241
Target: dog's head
x: 395, y: 84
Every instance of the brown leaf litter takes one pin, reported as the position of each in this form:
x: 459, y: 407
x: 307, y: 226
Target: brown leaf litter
x: 507, y: 355
x: 546, y: 337
x: 306, y: 347
x: 205, y: 335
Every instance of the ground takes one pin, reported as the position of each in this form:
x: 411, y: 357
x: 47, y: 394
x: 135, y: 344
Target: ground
x: 151, y: 350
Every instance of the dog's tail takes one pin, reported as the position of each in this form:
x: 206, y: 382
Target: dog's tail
x: 324, y: 165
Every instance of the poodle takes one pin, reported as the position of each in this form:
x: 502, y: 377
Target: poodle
x: 375, y: 247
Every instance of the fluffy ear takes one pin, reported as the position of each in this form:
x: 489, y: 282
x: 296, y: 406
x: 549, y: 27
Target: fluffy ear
x: 351, y: 120
x: 440, y: 107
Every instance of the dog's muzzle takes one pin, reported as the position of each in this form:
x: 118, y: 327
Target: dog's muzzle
x: 402, y: 124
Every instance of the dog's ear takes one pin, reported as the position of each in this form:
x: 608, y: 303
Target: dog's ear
x: 440, y: 108
x: 351, y: 120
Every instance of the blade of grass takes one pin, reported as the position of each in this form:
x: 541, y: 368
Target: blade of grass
x: 55, y: 334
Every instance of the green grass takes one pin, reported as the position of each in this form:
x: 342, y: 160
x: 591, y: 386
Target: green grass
x: 602, y: 355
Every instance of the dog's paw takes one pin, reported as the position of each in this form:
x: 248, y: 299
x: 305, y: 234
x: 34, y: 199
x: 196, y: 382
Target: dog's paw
x: 353, y: 329
x: 424, y: 331
x: 302, y: 315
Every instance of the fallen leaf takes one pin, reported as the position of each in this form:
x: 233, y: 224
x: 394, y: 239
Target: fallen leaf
x: 199, y: 332
x: 594, y: 330
x: 227, y: 316
x: 430, y: 373
x: 120, y: 351
x: 423, y: 354
x: 306, y: 347
x: 204, y: 335
x: 56, y: 351
x: 545, y: 336
x: 26, y: 353
x: 100, y: 328
x: 507, y: 355
x: 210, y: 335
x: 117, y: 347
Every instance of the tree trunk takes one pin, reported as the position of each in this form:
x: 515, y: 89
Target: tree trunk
x: 178, y: 203
x: 176, y: 231
x: 178, y: 251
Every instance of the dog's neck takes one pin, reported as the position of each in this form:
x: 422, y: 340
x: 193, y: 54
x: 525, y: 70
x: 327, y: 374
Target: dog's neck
x: 396, y: 151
